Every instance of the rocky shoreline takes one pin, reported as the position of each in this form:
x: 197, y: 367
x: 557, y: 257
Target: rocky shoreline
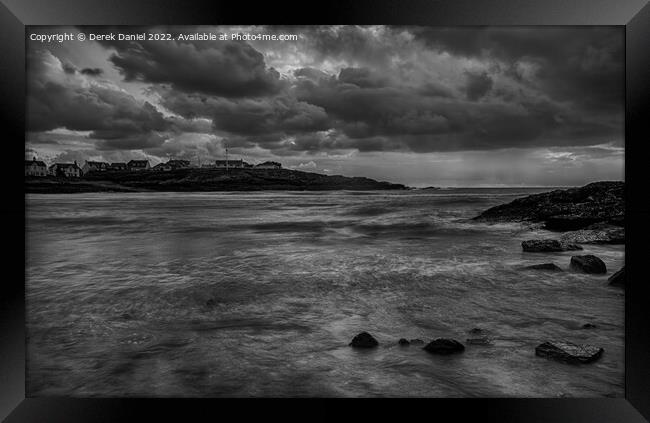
x: 593, y: 214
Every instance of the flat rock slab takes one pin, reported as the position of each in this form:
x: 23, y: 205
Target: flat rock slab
x: 444, y: 346
x: 618, y: 278
x: 588, y: 264
x: 364, y: 340
x: 547, y: 246
x: 549, y: 267
x: 568, y: 352
x: 595, y: 234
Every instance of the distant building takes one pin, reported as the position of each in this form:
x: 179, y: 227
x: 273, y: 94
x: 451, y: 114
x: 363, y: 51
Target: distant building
x: 268, y: 165
x: 35, y: 168
x: 178, y: 164
x: 135, y: 165
x: 118, y: 166
x: 68, y: 170
x: 222, y: 164
x: 162, y: 167
x: 94, y: 167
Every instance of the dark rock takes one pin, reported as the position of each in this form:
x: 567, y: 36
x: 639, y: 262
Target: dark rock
x: 618, y: 278
x: 588, y: 264
x: 589, y: 326
x: 417, y: 341
x: 569, y: 209
x: 596, y: 234
x: 568, y: 352
x: 476, y: 331
x: 444, y: 346
x: 547, y: 245
x: 403, y: 342
x: 364, y: 340
x: 483, y: 340
x: 551, y: 267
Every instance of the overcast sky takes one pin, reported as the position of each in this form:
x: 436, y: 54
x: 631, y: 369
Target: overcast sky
x: 535, y: 106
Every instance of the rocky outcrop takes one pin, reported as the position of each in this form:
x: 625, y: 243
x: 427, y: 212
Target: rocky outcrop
x: 588, y: 264
x: 599, y: 233
x: 568, y: 352
x: 618, y: 278
x: 444, y: 346
x: 547, y: 245
x: 364, y: 340
x: 565, y: 210
x: 548, y: 267
x: 404, y: 342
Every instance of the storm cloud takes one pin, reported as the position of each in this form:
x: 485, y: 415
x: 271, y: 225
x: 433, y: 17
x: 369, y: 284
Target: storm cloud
x: 336, y: 91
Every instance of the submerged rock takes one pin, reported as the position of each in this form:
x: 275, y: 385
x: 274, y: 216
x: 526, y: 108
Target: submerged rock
x: 588, y: 264
x: 547, y: 245
x: 568, y: 352
x: 551, y: 267
x: 565, y: 210
x: 417, y: 341
x: 618, y: 278
x: 404, y: 342
x: 444, y: 346
x: 596, y: 234
x: 589, y: 326
x: 483, y: 340
x: 364, y: 340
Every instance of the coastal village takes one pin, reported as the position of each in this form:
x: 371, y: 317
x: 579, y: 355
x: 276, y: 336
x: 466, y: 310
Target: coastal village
x: 73, y: 170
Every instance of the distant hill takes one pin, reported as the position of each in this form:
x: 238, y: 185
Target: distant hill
x: 193, y: 179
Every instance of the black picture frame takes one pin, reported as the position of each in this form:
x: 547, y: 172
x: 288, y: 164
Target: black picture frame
x: 634, y: 15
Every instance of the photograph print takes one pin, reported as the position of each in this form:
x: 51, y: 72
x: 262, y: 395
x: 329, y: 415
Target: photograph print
x: 324, y: 211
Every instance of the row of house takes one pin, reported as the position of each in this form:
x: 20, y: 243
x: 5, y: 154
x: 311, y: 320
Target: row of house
x: 38, y: 168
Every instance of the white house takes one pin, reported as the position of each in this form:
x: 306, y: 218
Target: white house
x: 68, y: 170
x: 94, y: 167
x: 135, y: 165
x: 35, y: 168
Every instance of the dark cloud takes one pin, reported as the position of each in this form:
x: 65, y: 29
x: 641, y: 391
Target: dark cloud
x: 345, y: 88
x: 224, y: 68
x: 478, y: 85
x: 113, y: 116
x: 92, y: 71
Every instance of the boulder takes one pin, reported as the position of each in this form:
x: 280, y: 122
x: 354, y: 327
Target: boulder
x: 547, y: 246
x: 589, y: 326
x: 568, y: 352
x: 588, y: 264
x: 403, y: 342
x: 417, y: 341
x: 618, y: 278
x: 444, y: 346
x: 364, y: 340
x: 596, y: 234
x: 550, y: 267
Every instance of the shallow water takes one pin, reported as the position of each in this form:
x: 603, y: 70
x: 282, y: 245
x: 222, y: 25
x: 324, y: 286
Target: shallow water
x: 259, y: 294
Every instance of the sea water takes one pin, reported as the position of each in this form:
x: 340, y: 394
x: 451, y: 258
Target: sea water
x: 260, y: 293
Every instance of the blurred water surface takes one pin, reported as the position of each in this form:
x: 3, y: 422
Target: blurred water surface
x: 258, y: 294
